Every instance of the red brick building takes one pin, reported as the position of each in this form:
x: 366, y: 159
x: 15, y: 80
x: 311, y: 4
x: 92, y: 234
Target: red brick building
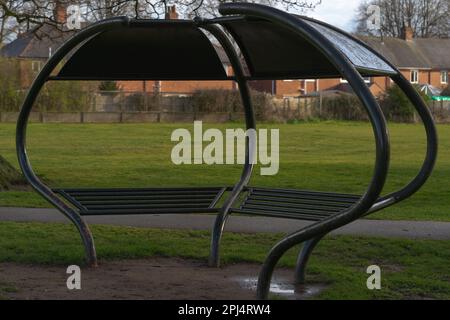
x: 422, y: 61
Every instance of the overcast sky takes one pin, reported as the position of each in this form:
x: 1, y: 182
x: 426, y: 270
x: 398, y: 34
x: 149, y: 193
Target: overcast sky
x: 339, y: 13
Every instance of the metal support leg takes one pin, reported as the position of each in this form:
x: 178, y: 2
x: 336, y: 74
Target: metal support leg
x: 303, y: 259
x: 227, y: 45
x: 88, y: 240
x: 219, y: 224
x: 21, y: 129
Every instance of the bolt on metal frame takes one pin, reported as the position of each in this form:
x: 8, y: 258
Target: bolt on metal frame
x: 349, y: 209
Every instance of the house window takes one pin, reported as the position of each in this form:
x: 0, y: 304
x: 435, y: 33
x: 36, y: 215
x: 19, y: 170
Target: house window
x: 36, y: 66
x: 444, y: 77
x: 414, y: 76
x: 366, y: 80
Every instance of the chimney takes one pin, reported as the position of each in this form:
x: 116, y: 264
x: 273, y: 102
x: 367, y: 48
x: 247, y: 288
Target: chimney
x: 407, y: 33
x: 60, y: 12
x: 171, y: 13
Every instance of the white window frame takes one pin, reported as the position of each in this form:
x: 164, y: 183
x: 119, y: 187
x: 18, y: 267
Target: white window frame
x: 36, y: 65
x: 444, y: 77
x: 366, y: 80
x: 413, y: 79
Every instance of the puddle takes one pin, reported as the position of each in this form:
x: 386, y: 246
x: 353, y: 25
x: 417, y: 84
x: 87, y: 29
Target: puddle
x: 285, y: 288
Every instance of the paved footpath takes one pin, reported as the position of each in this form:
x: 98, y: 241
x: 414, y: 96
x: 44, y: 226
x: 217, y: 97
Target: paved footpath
x: 376, y: 228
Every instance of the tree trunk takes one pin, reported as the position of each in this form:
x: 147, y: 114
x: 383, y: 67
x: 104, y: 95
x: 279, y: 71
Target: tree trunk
x: 10, y: 177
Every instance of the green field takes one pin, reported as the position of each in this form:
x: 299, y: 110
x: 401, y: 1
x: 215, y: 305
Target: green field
x: 327, y: 156
x: 410, y: 269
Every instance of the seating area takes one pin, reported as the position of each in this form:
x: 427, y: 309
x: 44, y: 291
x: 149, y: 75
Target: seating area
x: 294, y: 204
x: 261, y: 43
x: 143, y: 201
x: 283, y: 203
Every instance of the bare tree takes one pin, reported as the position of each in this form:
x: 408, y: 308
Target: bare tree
x: 24, y: 15
x: 8, y: 27
x: 427, y: 18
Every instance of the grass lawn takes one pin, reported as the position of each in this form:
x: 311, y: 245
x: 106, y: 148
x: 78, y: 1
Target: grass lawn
x: 409, y: 269
x: 327, y: 156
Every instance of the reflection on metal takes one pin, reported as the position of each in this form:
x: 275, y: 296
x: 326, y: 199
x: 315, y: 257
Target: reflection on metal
x: 303, y: 257
x: 359, y: 55
x: 339, y: 51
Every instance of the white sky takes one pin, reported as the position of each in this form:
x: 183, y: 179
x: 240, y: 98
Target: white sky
x: 339, y: 13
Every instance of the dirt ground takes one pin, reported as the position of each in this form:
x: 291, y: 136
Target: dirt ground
x: 156, y: 278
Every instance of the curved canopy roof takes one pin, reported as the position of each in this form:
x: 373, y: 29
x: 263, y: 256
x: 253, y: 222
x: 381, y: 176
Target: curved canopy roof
x: 180, y: 50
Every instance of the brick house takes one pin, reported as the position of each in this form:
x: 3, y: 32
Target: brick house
x: 422, y: 61
x: 31, y: 49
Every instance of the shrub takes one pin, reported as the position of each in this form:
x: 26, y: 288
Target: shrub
x: 446, y: 92
x: 65, y: 96
x: 108, y: 86
x: 220, y: 100
x: 10, y: 94
x: 396, y: 106
x: 216, y: 100
x: 341, y: 106
x: 263, y: 105
x: 140, y: 101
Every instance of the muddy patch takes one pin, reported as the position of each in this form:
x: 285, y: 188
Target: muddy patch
x: 156, y: 278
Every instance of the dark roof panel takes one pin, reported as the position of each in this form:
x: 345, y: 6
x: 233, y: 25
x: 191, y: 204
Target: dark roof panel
x: 179, y: 50
x: 274, y: 51
x: 156, y: 50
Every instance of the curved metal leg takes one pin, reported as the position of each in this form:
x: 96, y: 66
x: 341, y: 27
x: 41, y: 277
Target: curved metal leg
x: 214, y: 258
x: 303, y: 259
x: 21, y: 128
x: 88, y: 240
x: 219, y: 224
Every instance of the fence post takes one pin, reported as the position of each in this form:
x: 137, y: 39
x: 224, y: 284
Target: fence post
x: 195, y: 111
x: 122, y: 101
x: 320, y: 104
x: 146, y: 100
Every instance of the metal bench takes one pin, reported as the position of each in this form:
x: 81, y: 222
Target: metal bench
x: 261, y: 43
